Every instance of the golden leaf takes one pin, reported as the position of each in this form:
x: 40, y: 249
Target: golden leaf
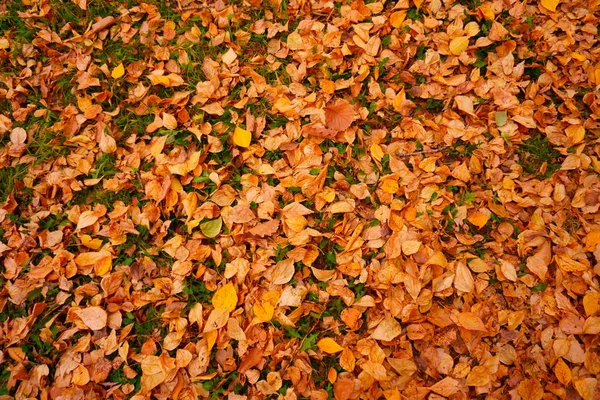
x: 550, y: 5
x: 458, y: 45
x: 479, y: 376
x: 576, y: 133
x: 242, y: 137
x: 592, y: 239
x: 591, y: 303
x: 225, y: 297
x: 118, y: 71
x: 390, y: 186
x: 263, y: 311
x: 587, y: 388
x: 81, y: 376
x: 470, y: 321
x: 329, y: 346
x: 530, y: 389
x: 93, y: 244
x: 410, y: 247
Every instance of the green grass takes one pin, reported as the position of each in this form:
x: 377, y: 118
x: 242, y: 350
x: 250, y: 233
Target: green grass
x: 537, y: 151
x: 12, y: 177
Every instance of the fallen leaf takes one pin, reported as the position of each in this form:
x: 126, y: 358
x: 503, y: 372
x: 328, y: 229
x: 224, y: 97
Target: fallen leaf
x: 211, y: 228
x: 550, y: 5
x: 118, y: 71
x: 225, y: 297
x: 94, y: 317
x: 458, y: 45
x: 242, y: 137
x: 387, y: 330
x: 339, y: 115
x: 329, y: 346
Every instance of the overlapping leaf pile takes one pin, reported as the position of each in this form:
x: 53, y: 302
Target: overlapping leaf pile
x: 299, y: 199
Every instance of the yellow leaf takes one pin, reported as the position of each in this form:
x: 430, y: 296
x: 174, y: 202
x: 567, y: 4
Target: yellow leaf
x: 550, y: 4
x: 242, y: 137
x: 87, y: 241
x: 118, y: 72
x: 458, y: 45
x: 263, y: 311
x: 376, y: 152
x: 329, y: 346
x: 418, y: 3
x: 225, y: 297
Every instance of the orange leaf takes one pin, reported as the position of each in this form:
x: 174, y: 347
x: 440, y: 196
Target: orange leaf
x: 329, y: 346
x: 470, y: 321
x: 530, y: 389
x: 478, y: 219
x: 562, y: 372
x: 339, y: 115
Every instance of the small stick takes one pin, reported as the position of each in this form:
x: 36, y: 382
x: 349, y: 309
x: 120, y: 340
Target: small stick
x: 415, y: 153
x: 202, y: 7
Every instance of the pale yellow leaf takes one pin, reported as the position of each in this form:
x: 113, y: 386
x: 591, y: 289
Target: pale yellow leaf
x: 169, y: 121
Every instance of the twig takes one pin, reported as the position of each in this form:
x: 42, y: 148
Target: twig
x: 202, y: 7
x: 416, y: 153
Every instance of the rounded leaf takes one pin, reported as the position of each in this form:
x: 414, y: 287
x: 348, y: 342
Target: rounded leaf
x: 211, y: 228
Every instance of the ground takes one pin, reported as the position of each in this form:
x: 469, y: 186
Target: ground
x: 299, y: 199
